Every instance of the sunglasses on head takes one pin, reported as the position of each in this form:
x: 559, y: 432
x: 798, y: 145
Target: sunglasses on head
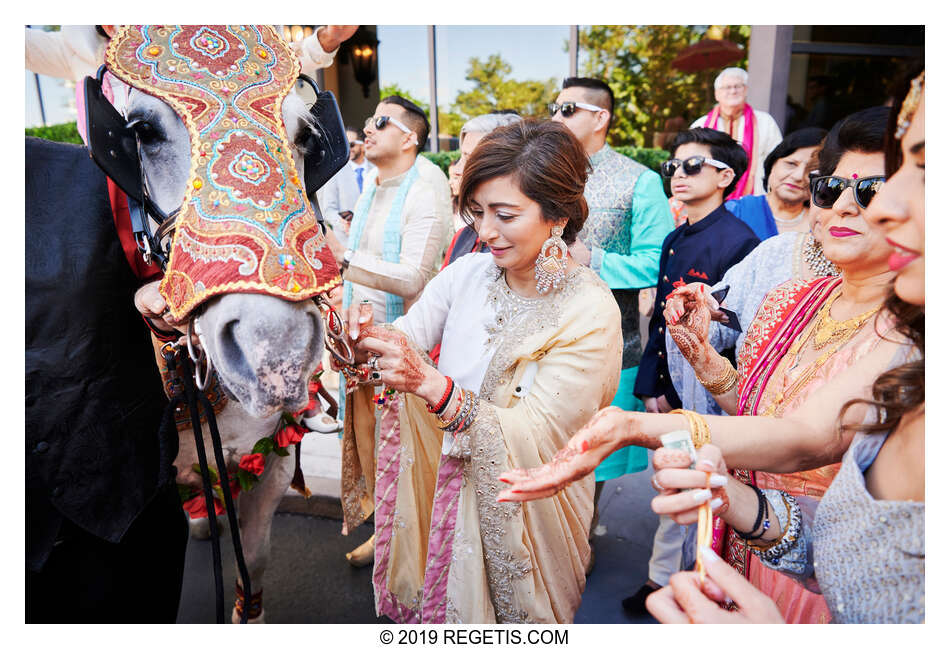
x: 379, y: 123
x: 826, y: 190
x: 691, y: 166
x: 568, y: 107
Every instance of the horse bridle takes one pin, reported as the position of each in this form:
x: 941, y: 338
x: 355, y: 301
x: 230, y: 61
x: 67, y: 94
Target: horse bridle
x: 110, y: 142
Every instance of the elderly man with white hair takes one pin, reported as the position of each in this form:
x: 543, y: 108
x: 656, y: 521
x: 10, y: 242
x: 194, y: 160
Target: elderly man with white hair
x: 466, y: 239
x: 755, y: 130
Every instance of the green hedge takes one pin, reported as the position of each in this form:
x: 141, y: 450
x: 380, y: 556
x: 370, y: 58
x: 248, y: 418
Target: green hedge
x: 443, y: 159
x: 649, y: 157
x: 57, y: 132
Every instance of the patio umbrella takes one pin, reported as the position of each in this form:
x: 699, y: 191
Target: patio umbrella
x: 707, y: 53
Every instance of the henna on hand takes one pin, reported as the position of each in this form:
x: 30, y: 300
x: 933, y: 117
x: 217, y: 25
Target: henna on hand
x: 405, y: 367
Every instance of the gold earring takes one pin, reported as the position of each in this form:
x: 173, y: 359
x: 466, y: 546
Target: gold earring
x: 550, y: 268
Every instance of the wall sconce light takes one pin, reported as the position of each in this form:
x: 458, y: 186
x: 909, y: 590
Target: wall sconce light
x: 296, y: 33
x: 361, y: 48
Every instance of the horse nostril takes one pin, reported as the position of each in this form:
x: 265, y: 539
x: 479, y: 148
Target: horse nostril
x: 231, y: 354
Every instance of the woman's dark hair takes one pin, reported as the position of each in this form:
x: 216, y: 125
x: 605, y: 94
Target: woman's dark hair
x: 892, y: 146
x: 900, y: 390
x: 800, y: 139
x: 862, y: 131
x: 544, y: 159
x: 722, y: 148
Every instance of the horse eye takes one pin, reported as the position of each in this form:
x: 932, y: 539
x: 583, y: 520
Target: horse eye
x: 146, y: 131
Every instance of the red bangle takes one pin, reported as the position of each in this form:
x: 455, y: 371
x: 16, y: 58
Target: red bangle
x: 445, y: 397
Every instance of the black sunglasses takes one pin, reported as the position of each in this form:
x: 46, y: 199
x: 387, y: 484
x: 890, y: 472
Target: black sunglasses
x: 691, y: 166
x: 826, y: 190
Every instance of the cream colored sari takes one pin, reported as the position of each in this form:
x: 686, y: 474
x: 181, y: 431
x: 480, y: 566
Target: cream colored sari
x: 446, y: 551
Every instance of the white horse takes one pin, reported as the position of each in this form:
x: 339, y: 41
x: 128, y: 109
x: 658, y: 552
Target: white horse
x: 263, y: 349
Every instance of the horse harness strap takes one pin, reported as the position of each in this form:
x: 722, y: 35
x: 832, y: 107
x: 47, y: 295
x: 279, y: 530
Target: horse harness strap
x: 172, y: 357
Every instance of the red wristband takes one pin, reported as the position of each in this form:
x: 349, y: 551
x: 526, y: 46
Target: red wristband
x: 445, y: 397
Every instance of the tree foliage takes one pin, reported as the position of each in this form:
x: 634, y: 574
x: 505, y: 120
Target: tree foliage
x: 636, y: 61
x: 395, y: 89
x: 495, y: 89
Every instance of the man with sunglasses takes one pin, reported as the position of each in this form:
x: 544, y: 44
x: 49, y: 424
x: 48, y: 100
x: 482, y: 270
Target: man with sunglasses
x: 400, y: 225
x: 705, y: 166
x: 628, y: 218
x: 339, y: 196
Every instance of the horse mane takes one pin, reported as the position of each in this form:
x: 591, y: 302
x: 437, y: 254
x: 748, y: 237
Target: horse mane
x: 296, y: 115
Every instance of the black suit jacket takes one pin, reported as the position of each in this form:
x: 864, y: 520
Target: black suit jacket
x: 94, y: 399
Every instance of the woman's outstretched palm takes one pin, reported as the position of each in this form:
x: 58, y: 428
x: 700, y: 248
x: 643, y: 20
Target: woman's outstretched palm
x: 602, y: 435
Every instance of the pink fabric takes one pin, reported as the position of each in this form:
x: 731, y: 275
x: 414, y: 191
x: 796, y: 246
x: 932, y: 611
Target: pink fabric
x: 81, y: 102
x: 782, y: 338
x: 441, y: 534
x: 387, y: 457
x: 445, y: 508
x: 797, y: 604
x: 748, y: 143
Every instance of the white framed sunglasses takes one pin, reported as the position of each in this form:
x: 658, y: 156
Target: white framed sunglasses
x: 379, y: 123
x: 568, y: 107
x: 691, y: 166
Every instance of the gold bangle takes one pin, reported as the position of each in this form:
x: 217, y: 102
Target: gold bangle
x: 698, y: 428
x: 723, y: 383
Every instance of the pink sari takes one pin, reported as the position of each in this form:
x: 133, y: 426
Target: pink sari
x: 784, y: 314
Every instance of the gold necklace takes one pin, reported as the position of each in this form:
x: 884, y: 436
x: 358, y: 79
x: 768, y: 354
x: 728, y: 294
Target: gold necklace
x: 840, y: 339
x: 830, y: 330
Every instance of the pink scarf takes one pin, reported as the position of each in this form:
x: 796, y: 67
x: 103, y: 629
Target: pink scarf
x: 749, y: 137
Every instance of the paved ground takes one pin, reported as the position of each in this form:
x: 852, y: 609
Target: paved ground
x: 309, y: 580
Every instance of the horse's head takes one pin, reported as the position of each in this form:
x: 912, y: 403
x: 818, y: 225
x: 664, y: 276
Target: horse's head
x: 219, y: 133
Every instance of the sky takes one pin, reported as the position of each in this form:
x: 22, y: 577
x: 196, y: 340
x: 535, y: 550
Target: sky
x: 534, y: 52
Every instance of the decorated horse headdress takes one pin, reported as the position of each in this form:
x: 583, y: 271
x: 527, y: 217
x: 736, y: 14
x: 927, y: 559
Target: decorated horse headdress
x: 245, y: 224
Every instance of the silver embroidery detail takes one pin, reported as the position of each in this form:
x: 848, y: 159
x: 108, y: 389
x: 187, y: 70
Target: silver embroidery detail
x: 514, y: 316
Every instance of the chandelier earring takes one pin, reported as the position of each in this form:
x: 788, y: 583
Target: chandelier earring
x: 550, y: 268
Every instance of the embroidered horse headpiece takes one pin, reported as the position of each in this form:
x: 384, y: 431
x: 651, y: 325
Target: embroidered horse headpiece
x: 245, y: 224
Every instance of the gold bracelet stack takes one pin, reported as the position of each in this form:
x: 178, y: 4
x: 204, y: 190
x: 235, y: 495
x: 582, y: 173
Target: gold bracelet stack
x: 726, y: 381
x: 698, y: 428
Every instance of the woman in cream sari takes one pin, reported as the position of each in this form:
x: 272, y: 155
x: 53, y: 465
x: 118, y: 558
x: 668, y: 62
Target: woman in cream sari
x: 530, y: 350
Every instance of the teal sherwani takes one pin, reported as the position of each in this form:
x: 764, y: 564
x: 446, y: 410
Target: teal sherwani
x: 629, y: 216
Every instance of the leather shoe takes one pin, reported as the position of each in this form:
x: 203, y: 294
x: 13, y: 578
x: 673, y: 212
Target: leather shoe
x: 636, y: 604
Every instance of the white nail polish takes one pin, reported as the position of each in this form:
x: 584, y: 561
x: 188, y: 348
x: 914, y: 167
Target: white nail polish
x: 715, y: 503
x: 707, y: 463
x: 702, y: 495
x: 709, y: 555
x: 718, y: 481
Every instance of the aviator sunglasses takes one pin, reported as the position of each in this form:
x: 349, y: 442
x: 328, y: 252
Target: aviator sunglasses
x: 568, y: 107
x: 691, y: 166
x: 826, y: 190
